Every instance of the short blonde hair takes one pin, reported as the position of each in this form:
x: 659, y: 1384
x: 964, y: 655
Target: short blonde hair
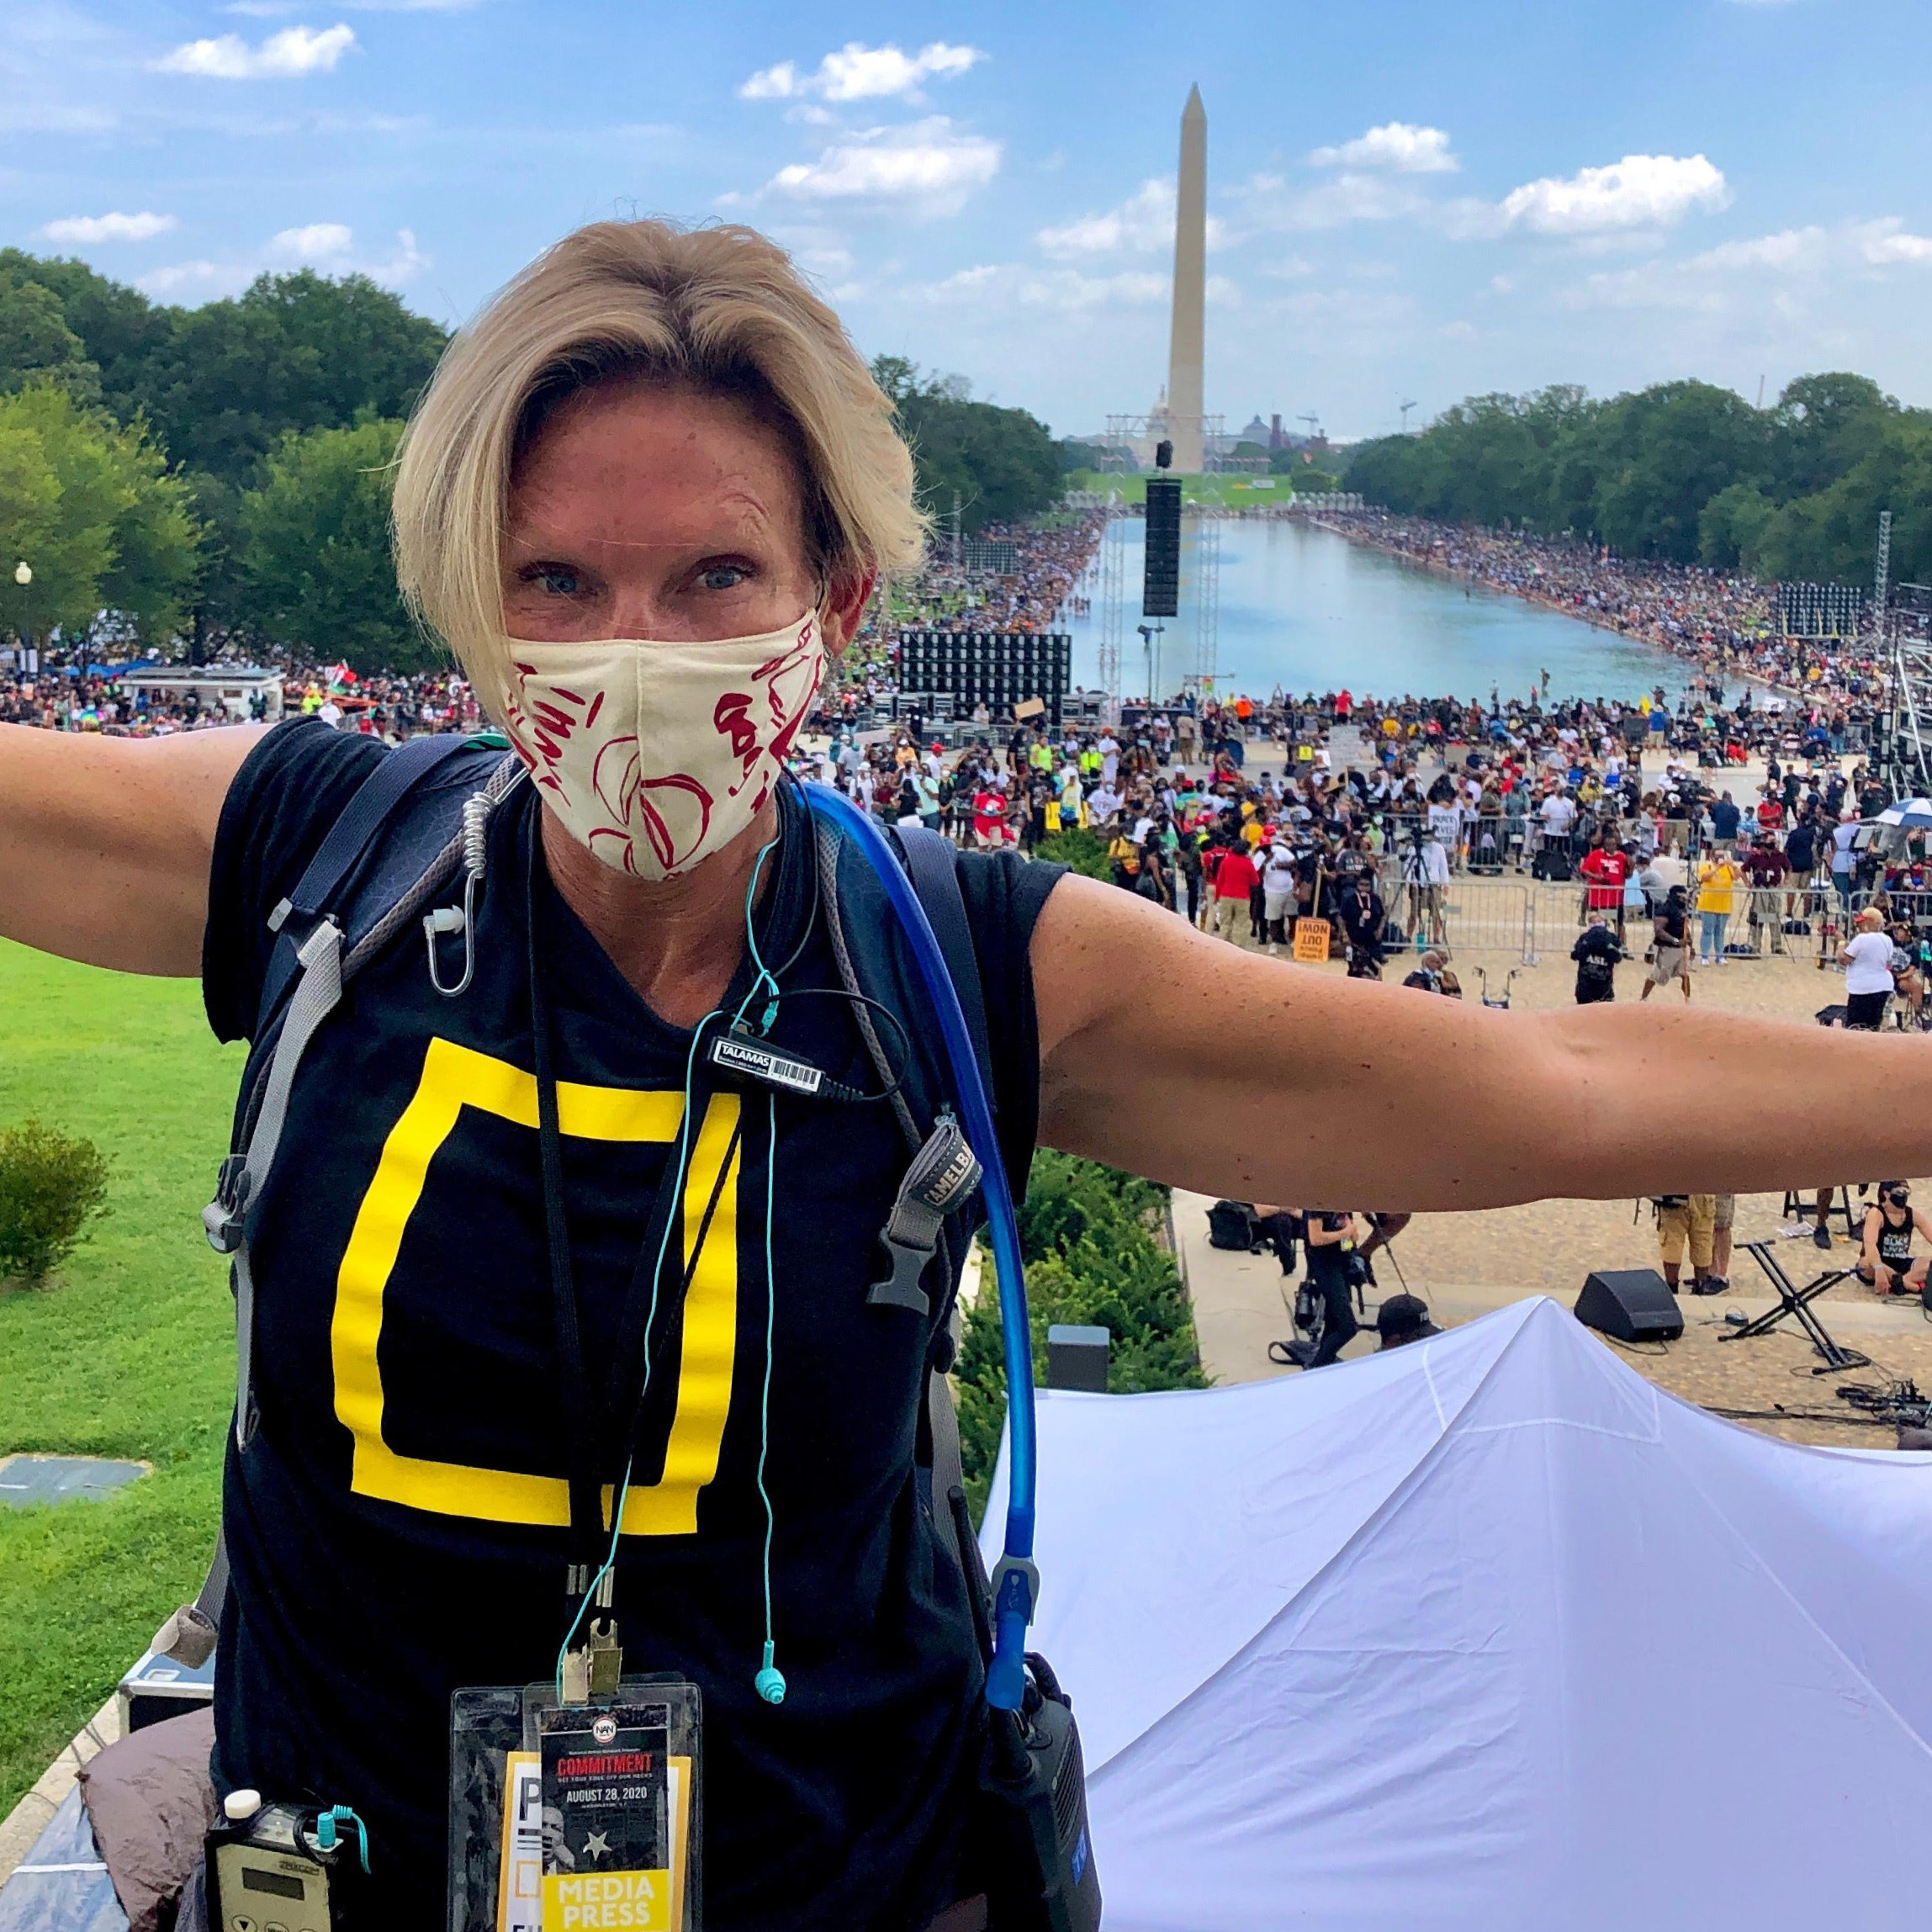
x: 719, y: 308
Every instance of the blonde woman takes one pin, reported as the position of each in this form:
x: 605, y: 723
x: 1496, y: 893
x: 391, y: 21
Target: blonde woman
x: 644, y: 501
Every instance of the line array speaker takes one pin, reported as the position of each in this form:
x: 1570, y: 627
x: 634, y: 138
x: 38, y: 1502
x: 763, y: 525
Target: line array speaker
x: 1161, y: 588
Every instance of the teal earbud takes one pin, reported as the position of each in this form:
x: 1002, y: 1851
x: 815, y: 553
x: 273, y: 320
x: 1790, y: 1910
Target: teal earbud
x: 770, y: 1682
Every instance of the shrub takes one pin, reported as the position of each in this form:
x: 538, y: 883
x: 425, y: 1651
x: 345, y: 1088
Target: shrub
x: 1079, y: 849
x: 1087, y: 1235
x: 51, y: 1187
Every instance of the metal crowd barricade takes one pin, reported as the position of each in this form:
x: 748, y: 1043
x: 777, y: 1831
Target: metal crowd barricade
x: 1469, y: 914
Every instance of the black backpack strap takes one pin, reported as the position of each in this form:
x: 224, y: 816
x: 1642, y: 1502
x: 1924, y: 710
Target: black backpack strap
x: 349, y: 840
x: 933, y: 863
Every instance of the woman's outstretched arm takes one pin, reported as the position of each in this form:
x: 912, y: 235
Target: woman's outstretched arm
x: 1198, y: 1063
x: 105, y: 843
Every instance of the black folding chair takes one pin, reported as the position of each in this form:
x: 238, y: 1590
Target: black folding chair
x: 1803, y: 1207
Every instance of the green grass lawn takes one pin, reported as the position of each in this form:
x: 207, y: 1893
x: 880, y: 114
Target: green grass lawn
x: 127, y: 1350
x: 1239, y: 491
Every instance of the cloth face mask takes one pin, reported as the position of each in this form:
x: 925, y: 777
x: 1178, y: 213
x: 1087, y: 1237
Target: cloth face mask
x: 656, y: 755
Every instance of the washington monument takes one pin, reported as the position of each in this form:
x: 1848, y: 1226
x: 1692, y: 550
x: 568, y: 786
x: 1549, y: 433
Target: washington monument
x: 1184, y: 344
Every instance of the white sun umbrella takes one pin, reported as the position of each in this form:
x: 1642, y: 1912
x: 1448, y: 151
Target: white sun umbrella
x: 1910, y: 814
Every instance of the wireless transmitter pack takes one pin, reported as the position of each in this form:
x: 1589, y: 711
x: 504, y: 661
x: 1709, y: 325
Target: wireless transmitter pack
x: 283, y: 1867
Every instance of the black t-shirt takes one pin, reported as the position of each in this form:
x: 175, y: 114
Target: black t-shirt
x: 1596, y: 953
x: 396, y: 1524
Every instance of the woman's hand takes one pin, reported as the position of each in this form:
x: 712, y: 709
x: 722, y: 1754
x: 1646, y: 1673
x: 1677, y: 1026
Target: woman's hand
x: 105, y: 843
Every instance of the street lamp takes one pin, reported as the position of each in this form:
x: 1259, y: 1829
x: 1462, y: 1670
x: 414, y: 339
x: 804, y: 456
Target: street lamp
x: 24, y: 575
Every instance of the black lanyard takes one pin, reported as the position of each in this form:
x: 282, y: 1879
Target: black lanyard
x: 600, y: 1427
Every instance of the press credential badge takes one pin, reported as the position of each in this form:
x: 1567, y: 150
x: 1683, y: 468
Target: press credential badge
x: 606, y: 1819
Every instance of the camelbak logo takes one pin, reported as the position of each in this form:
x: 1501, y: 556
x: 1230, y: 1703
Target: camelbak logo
x: 1077, y: 1863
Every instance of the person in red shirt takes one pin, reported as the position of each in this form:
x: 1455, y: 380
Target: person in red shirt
x: 1605, y: 867
x: 1234, y: 880
x: 989, y: 817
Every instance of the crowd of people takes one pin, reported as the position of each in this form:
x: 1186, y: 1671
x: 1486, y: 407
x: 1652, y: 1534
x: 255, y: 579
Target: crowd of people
x: 1727, y: 624
x: 68, y: 692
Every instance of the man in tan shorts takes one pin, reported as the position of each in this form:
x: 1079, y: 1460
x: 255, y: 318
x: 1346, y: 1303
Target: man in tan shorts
x: 1687, y: 1220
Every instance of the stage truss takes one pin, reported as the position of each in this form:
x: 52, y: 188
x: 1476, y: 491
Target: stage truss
x: 1110, y: 606
x: 1207, y: 598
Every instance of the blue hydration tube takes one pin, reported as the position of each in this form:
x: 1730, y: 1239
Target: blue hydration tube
x: 1015, y: 1582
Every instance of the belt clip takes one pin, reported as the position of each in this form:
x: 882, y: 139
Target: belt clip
x: 225, y: 1219
x: 939, y: 1181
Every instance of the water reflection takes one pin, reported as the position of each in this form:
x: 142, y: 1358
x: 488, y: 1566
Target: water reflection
x: 1308, y: 610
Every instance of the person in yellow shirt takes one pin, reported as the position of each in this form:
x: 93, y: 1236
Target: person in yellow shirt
x: 1717, y: 883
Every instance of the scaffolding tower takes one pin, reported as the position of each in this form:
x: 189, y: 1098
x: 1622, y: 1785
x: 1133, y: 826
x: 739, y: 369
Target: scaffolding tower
x: 1207, y: 597
x: 1110, y: 608
x: 1905, y: 752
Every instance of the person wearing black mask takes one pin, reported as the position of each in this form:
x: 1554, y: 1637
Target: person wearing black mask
x: 1673, y: 942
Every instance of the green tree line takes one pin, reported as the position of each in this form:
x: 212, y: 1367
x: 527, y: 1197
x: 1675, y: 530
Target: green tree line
x: 223, y: 473
x: 220, y: 472
x: 1683, y: 471
x: 998, y: 464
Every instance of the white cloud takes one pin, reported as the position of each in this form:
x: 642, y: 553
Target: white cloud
x: 142, y: 227
x: 1289, y: 268
x: 1065, y: 291
x: 294, y: 51
x: 1885, y: 241
x: 1640, y: 191
x: 778, y: 83
x: 328, y: 247
x: 1146, y: 220
x: 927, y: 169
x: 1269, y: 203
x: 1397, y: 145
x: 1142, y: 224
x: 857, y: 72
x: 204, y: 281
x: 1068, y: 289
x: 319, y: 242
x: 1785, y: 269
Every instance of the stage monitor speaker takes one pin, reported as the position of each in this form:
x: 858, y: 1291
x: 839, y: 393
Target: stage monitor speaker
x: 1161, y: 588
x: 1632, y: 1304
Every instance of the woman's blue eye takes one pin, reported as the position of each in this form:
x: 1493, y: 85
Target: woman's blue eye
x: 558, y: 583
x: 722, y: 577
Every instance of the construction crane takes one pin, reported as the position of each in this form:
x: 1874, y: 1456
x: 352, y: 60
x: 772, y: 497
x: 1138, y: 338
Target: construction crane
x: 1405, y: 407
x: 1314, y: 423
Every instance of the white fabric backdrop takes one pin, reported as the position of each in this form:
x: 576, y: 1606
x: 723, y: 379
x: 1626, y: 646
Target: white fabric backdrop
x: 1487, y: 1633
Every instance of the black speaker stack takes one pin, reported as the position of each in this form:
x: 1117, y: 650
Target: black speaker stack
x: 1161, y: 588
x: 997, y: 668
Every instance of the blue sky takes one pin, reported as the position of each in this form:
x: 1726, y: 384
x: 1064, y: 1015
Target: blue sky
x: 1407, y: 201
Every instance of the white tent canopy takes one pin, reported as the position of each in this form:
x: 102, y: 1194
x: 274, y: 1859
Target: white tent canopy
x: 1487, y: 1632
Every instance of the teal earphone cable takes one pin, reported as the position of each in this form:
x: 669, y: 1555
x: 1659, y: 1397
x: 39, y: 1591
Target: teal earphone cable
x: 770, y: 1683
x: 622, y: 1492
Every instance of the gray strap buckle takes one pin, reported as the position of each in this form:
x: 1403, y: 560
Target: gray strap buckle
x: 940, y: 1180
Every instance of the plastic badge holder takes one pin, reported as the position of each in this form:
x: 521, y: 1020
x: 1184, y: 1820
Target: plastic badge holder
x: 486, y: 1725
x: 496, y: 1836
